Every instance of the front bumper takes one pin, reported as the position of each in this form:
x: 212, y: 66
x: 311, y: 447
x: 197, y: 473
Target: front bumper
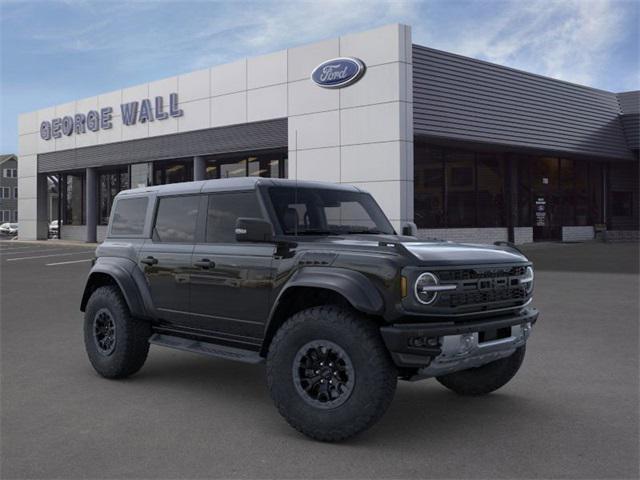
x: 439, y: 348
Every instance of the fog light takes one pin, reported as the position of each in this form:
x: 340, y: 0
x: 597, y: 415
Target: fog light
x: 421, y: 342
x: 466, y: 343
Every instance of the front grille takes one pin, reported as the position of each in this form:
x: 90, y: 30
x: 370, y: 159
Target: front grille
x: 459, y: 299
x: 476, y: 273
x: 483, y: 287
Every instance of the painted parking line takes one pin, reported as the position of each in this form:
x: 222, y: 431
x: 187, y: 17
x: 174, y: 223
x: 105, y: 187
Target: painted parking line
x: 45, y: 256
x: 12, y: 249
x: 69, y: 262
x: 30, y: 250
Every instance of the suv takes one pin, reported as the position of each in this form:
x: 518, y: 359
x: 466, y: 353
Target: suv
x: 312, y: 279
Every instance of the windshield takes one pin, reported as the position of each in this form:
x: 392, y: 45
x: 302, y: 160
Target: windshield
x: 319, y: 211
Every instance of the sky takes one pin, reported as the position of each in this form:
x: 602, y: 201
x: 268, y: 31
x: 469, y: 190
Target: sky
x: 55, y: 51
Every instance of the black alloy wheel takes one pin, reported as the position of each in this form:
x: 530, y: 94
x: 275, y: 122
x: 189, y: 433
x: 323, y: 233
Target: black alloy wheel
x: 323, y: 374
x: 104, y: 332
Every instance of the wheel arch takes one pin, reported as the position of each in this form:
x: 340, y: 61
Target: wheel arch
x: 117, y: 273
x: 316, y: 286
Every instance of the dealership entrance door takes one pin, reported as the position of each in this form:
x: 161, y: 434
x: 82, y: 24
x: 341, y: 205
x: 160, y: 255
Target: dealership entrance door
x: 546, y: 201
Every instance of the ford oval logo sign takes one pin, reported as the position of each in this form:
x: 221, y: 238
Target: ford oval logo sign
x: 338, y: 73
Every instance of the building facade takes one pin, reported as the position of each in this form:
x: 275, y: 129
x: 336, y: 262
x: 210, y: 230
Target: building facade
x: 9, y: 188
x: 466, y: 149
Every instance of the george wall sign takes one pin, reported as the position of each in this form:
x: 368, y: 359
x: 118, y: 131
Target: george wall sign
x: 339, y: 72
x: 94, y: 120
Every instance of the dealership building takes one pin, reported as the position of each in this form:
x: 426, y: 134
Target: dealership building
x: 465, y: 149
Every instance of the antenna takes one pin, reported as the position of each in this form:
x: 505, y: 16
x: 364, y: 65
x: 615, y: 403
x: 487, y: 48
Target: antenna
x: 295, y: 230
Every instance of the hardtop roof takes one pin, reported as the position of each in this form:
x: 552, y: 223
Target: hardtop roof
x: 231, y: 184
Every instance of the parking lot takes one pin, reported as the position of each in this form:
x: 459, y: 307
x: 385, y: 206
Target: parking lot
x: 571, y: 412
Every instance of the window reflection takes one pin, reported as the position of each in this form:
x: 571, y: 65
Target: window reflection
x: 110, y: 183
x: 461, y: 188
x: 267, y: 164
x: 73, y: 199
x: 173, y: 171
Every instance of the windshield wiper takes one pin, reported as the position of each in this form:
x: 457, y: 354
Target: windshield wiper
x: 312, y: 231
x: 370, y: 231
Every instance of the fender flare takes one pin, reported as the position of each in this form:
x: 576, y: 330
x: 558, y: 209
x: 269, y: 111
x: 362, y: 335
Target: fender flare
x: 129, y: 279
x: 359, y: 291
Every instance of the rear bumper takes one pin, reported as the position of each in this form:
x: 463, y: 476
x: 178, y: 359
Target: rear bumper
x: 440, y: 348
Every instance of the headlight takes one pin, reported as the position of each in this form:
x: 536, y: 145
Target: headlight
x: 427, y: 287
x: 527, y: 281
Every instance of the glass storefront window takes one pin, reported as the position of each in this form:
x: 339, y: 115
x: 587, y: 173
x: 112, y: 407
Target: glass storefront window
x: 523, y: 179
x: 172, y: 171
x: 267, y: 164
x: 457, y: 188
x: 491, y: 198
x: 460, y: 188
x: 596, y: 189
x: 73, y: 192
x: 109, y: 185
x: 429, y: 187
x: 233, y: 168
x: 581, y: 172
x: 567, y: 191
x: 623, y: 198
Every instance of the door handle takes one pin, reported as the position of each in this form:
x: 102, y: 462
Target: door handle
x: 204, y: 263
x: 149, y: 261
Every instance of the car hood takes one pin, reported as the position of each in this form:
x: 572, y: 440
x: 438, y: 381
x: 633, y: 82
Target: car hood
x: 435, y: 252
x: 446, y: 253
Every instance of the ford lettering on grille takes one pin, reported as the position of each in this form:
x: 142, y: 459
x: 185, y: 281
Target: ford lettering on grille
x: 476, y: 287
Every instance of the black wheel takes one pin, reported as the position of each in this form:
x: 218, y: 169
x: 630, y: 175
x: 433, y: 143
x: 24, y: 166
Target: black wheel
x: 484, y: 379
x: 329, y: 373
x: 117, y: 344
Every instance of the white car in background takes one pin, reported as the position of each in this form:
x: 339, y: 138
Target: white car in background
x: 9, y: 229
x: 54, y: 229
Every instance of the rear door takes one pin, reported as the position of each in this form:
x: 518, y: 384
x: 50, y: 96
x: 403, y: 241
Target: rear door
x: 231, y: 285
x: 166, y: 258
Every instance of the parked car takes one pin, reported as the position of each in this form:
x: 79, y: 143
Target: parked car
x: 312, y: 279
x: 54, y: 229
x: 9, y: 229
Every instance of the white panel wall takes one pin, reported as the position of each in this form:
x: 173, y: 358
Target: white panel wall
x: 466, y: 235
x: 358, y: 134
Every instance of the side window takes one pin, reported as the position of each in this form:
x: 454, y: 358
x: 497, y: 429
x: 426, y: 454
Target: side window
x: 129, y: 215
x: 176, y: 219
x: 223, y: 211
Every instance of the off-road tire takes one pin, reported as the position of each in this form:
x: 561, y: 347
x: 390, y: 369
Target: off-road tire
x: 485, y: 379
x: 375, y: 374
x: 131, y: 335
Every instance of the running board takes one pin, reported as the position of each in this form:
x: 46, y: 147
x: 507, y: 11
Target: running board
x: 196, y: 346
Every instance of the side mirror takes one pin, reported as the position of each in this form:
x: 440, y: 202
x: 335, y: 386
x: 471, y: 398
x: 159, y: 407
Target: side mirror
x: 410, y: 229
x: 253, y: 230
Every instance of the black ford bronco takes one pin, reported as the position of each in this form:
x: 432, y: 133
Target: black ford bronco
x: 312, y: 279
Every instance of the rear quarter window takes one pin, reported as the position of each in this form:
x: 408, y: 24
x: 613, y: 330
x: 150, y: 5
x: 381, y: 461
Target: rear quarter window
x: 128, y: 216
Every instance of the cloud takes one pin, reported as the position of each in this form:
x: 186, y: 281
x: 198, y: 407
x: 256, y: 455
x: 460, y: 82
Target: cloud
x: 569, y: 40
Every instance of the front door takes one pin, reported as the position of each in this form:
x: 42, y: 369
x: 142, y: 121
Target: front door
x: 166, y: 258
x: 232, y: 282
x: 547, y: 224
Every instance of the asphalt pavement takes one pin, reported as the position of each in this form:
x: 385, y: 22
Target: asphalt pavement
x: 571, y: 412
